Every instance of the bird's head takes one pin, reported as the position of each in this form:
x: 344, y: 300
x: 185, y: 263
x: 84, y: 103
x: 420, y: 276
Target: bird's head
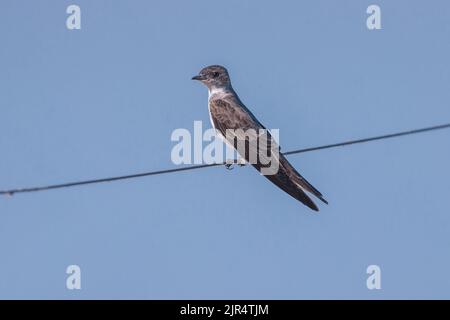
x: 214, y: 77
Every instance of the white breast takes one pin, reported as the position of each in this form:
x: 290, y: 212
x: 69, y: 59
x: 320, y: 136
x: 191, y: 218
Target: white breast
x: 215, y: 93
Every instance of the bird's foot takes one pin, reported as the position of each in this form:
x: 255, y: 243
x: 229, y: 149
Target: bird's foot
x: 229, y: 166
x: 241, y: 162
x: 229, y: 163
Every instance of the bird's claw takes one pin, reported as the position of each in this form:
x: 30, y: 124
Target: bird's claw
x: 241, y: 162
x: 229, y: 166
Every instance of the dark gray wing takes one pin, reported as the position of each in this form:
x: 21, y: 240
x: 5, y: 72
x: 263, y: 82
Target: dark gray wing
x: 228, y: 114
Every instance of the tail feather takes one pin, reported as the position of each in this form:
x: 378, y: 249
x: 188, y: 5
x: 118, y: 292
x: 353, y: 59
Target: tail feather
x: 290, y: 181
x: 300, y: 180
x: 282, y: 181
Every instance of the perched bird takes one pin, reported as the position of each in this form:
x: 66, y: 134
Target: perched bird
x: 228, y: 112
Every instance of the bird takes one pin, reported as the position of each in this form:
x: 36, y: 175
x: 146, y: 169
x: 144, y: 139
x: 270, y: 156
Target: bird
x: 227, y: 112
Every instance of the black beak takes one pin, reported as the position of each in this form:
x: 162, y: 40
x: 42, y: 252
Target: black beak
x: 199, y: 77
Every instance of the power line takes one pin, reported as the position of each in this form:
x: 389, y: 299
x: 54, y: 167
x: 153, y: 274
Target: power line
x: 386, y: 136
x: 153, y: 173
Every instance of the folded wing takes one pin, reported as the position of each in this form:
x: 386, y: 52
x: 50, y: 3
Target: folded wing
x: 230, y: 114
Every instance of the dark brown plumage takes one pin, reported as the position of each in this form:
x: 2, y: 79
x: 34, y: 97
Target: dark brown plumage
x: 228, y: 112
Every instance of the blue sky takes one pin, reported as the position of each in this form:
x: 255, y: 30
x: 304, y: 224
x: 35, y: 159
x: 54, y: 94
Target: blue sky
x: 105, y: 99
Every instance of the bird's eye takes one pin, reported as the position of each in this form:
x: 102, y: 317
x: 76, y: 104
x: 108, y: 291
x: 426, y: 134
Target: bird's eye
x: 216, y: 75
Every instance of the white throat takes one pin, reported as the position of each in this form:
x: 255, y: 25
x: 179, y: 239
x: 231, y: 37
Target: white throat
x: 215, y: 90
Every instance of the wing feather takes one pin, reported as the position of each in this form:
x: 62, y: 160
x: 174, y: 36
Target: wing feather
x: 228, y: 113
